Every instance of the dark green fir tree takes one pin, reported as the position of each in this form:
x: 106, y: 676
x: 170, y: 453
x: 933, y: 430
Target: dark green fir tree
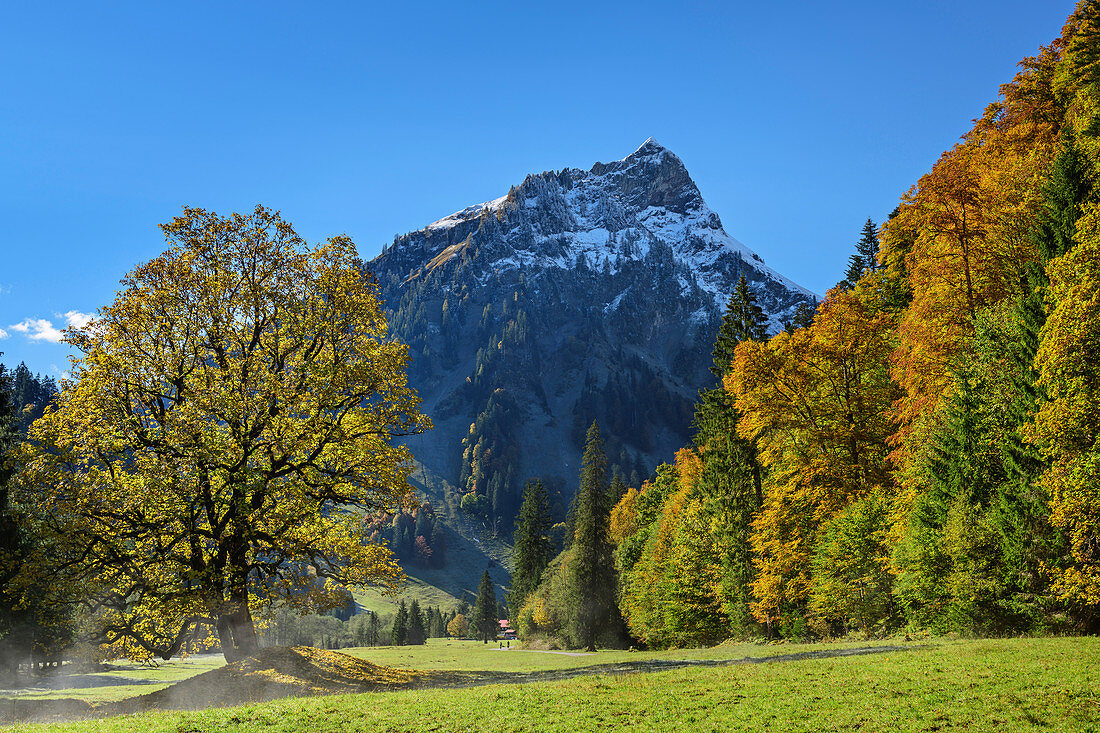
x: 399, y: 636
x: 485, y: 622
x: 532, y: 542
x: 417, y: 633
x: 731, y: 480
x: 865, y: 258
x: 591, y: 578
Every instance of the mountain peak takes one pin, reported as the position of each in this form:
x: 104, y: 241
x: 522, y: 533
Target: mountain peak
x: 649, y: 147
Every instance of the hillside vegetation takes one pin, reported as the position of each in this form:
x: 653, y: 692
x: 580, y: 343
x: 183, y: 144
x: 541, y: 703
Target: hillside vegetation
x: 923, y: 453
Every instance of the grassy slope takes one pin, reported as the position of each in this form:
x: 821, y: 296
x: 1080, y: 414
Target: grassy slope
x: 470, y: 551
x: 999, y: 685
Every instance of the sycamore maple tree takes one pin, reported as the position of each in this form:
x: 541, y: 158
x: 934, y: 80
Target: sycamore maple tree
x: 225, y: 416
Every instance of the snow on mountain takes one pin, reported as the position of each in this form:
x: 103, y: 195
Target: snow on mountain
x: 611, y: 212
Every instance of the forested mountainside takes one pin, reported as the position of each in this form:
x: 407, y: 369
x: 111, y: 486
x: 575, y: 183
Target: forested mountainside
x: 579, y: 295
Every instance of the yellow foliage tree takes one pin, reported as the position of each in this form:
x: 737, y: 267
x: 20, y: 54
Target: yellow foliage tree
x: 225, y: 412
x: 672, y: 595
x: 817, y: 401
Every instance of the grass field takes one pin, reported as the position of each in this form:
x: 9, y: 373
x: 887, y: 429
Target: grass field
x: 373, y: 599
x: 991, y: 685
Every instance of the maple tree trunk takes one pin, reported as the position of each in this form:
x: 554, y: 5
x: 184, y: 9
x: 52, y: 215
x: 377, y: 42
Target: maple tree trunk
x: 236, y: 631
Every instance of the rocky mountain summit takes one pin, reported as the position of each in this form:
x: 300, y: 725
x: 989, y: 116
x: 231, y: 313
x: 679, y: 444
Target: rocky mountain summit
x: 579, y: 295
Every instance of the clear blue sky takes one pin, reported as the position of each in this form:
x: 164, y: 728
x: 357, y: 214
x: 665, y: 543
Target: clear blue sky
x: 798, y: 120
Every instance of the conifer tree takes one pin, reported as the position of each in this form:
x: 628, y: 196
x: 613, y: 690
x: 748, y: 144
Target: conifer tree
x: 803, y: 317
x: 867, y: 246
x: 590, y: 578
x: 1067, y: 189
x: 532, y: 542
x: 373, y: 628
x: 731, y: 478
x: 416, y: 633
x: 400, y: 634
x: 854, y: 271
x: 744, y: 320
x: 485, y: 621
x: 865, y: 258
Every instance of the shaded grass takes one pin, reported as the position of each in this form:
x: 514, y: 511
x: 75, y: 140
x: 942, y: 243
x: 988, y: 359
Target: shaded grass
x: 993, y: 685
x: 123, y: 680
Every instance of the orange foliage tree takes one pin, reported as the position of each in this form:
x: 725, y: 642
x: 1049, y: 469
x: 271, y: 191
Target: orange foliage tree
x: 966, y: 227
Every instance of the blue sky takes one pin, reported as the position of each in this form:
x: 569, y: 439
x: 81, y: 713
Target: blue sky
x: 797, y: 120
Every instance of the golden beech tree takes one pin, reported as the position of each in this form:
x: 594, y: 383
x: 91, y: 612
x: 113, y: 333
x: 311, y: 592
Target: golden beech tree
x: 227, y: 414
x: 965, y: 227
x: 817, y: 401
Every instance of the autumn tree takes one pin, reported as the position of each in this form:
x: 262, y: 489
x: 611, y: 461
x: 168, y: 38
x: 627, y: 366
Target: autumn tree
x: 966, y: 227
x: 672, y: 594
x: 225, y: 412
x: 458, y: 627
x: 817, y: 402
x: 852, y: 583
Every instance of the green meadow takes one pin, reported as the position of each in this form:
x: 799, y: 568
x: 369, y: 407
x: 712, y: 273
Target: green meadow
x: 1048, y: 684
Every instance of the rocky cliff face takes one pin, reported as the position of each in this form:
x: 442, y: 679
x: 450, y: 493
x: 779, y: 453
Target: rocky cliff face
x: 579, y: 295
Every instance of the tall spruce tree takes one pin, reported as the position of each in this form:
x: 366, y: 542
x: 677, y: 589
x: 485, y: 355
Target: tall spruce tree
x: 743, y: 320
x: 374, y: 630
x: 731, y: 481
x: 1065, y: 191
x: 399, y: 636
x: 417, y: 633
x: 485, y: 621
x: 590, y: 577
x: 803, y: 317
x: 867, y: 246
x: 532, y: 542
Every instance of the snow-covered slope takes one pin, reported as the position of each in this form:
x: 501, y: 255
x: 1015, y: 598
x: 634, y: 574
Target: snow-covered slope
x: 612, y: 212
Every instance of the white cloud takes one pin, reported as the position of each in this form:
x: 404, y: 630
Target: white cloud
x: 37, y: 329
x: 78, y: 319
x: 42, y: 329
